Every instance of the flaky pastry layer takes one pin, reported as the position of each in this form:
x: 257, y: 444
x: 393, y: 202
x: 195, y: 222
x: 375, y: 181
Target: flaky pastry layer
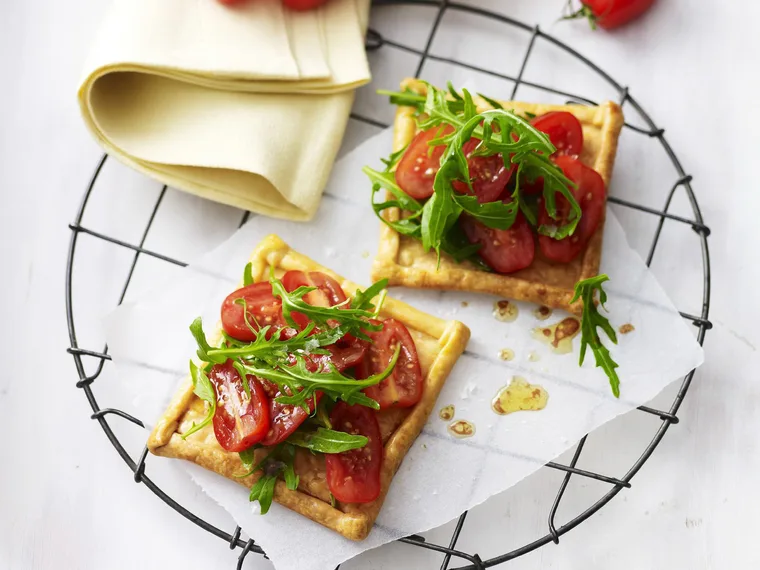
x: 403, y: 261
x: 439, y: 344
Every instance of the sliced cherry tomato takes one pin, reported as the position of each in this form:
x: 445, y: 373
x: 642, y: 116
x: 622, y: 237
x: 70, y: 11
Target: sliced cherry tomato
x: 303, y: 4
x: 590, y: 195
x: 344, y: 354
x: 348, y: 351
x: 354, y: 476
x: 262, y: 308
x: 240, y: 420
x: 488, y: 174
x: 504, y: 251
x: 403, y: 388
x: 565, y: 133
x: 610, y: 14
x: 416, y: 170
x: 564, y: 130
x: 328, y: 292
x: 531, y: 187
x: 285, y: 419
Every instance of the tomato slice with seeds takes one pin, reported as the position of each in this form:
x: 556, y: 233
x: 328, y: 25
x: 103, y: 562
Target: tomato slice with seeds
x: 260, y: 308
x: 504, y: 251
x: 564, y: 130
x: 354, y: 476
x: 348, y: 351
x: 416, y: 170
x: 285, y: 419
x: 403, y: 388
x: 565, y: 133
x: 240, y: 420
x: 328, y: 292
x: 488, y: 174
x: 590, y: 195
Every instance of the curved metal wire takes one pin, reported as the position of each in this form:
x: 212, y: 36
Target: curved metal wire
x: 377, y: 41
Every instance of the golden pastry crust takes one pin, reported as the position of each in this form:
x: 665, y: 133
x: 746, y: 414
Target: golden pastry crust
x: 403, y: 261
x: 439, y: 345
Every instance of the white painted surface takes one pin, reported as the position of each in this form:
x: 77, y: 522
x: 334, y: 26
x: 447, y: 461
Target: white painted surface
x: 67, y: 500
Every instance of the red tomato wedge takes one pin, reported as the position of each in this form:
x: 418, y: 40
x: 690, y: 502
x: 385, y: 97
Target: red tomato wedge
x: 348, y: 351
x: 590, y: 195
x: 239, y: 421
x: 565, y: 133
x: 285, y: 419
x: 416, y: 170
x: 488, y: 174
x: 403, y: 388
x: 344, y: 354
x: 504, y: 251
x: 328, y: 292
x: 564, y: 130
x: 262, y: 308
x: 611, y: 14
x: 354, y: 476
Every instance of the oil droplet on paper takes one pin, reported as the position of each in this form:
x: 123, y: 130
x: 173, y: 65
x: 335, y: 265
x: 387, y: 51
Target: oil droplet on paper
x: 626, y: 328
x: 559, y: 336
x: 365, y: 254
x: 542, y: 313
x: 462, y: 428
x: 505, y: 311
x: 507, y: 354
x: 519, y: 395
x: 446, y: 413
x: 534, y: 356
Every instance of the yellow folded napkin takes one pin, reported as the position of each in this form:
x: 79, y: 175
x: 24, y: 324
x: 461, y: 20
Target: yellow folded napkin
x: 246, y: 105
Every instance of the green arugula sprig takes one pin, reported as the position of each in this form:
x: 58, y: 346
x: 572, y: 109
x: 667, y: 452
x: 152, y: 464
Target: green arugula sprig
x: 590, y: 321
x: 453, y: 243
x: 293, y: 364
x: 352, y: 318
x: 500, y: 132
x: 325, y: 440
x: 278, y: 462
x: 298, y: 384
x: 289, y: 363
x: 204, y: 389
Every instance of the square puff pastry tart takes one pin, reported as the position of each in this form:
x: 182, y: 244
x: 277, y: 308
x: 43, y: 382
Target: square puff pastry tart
x: 439, y: 344
x: 403, y: 261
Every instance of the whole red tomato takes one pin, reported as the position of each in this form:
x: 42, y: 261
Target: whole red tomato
x: 610, y: 14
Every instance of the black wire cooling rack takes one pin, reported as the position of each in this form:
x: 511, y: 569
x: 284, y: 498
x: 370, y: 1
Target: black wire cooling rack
x: 376, y: 41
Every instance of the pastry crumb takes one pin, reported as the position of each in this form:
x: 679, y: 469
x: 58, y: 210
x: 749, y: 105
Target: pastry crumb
x: 626, y: 328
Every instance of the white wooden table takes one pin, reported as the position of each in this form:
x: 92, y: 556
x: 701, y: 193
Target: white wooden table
x: 67, y: 500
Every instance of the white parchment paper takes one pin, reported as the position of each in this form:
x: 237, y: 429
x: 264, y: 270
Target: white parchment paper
x: 441, y: 476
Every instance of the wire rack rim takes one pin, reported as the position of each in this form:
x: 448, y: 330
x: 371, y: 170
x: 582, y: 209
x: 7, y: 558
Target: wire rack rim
x: 667, y: 418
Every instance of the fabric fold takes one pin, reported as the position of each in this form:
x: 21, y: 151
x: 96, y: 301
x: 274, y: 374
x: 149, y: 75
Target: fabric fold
x: 245, y: 106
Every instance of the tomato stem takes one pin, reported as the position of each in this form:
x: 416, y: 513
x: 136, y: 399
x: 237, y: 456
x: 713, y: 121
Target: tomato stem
x: 582, y: 12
